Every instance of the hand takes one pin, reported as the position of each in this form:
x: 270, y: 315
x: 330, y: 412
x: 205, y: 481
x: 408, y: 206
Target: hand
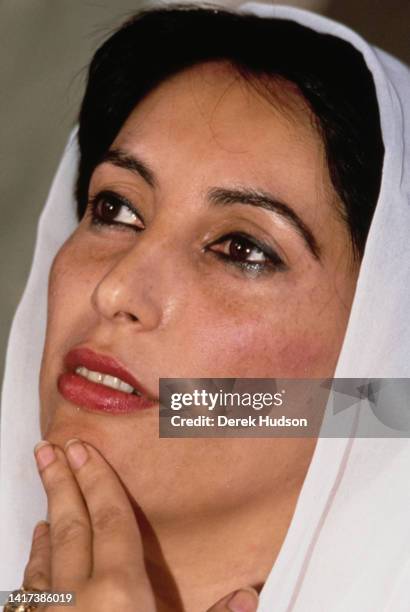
x: 244, y: 600
x: 92, y: 544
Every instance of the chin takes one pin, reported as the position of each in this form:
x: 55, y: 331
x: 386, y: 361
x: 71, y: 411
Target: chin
x: 62, y: 421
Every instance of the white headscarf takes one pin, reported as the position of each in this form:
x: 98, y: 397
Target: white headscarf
x: 348, y: 546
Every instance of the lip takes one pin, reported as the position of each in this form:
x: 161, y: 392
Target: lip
x: 96, y: 397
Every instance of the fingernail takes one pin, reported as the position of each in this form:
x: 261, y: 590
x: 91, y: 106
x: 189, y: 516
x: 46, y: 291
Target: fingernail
x: 76, y: 453
x: 242, y: 601
x: 40, y: 529
x: 44, y: 454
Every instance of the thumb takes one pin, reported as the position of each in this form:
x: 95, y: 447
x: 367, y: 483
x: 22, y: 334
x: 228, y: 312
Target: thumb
x: 243, y: 600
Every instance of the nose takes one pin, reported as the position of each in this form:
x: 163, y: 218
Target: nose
x: 132, y: 292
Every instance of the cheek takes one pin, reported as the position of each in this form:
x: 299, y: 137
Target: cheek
x: 296, y: 331
x: 68, y: 318
x: 262, y: 351
x: 69, y: 287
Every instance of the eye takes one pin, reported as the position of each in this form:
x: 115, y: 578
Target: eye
x: 247, y: 253
x: 109, y: 208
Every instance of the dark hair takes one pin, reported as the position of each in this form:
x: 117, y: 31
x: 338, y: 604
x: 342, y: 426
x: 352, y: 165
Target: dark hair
x: 330, y: 73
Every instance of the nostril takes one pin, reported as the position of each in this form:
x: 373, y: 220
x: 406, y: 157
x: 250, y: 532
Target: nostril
x: 126, y: 315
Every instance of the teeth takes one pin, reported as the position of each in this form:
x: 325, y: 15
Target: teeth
x: 106, y: 379
x: 123, y: 386
x: 111, y: 381
x: 94, y: 376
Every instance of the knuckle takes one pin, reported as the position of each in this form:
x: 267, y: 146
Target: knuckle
x: 35, y: 577
x: 115, y: 589
x: 107, y: 519
x: 66, y: 529
x: 41, y: 544
x: 91, y: 484
x: 119, y: 590
x: 39, y: 552
x: 54, y: 480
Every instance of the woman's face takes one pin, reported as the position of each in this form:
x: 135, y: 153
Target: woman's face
x: 236, y: 263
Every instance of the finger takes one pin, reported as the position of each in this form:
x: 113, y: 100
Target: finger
x: 37, y: 574
x: 244, y: 600
x: 117, y: 547
x: 70, y: 529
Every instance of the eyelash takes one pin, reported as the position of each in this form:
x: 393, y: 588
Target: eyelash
x: 115, y: 200
x: 272, y: 263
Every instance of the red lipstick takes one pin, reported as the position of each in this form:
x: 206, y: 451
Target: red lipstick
x: 95, y: 396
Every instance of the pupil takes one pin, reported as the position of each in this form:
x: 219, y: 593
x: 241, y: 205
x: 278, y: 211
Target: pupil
x: 240, y: 249
x: 108, y: 210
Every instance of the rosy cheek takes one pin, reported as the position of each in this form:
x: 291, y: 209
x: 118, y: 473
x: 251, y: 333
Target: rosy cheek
x: 307, y: 357
x: 257, y: 348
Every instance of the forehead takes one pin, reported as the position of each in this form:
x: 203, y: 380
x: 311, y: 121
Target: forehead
x: 213, y: 120
x: 213, y: 97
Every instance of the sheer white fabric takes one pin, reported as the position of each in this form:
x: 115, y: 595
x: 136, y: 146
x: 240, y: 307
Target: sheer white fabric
x: 348, y: 545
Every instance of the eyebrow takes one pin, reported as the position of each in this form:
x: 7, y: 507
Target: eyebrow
x: 120, y: 158
x: 264, y: 200
x: 223, y: 197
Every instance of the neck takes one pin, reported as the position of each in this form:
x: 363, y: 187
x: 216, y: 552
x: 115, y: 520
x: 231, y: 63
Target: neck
x: 195, y: 562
